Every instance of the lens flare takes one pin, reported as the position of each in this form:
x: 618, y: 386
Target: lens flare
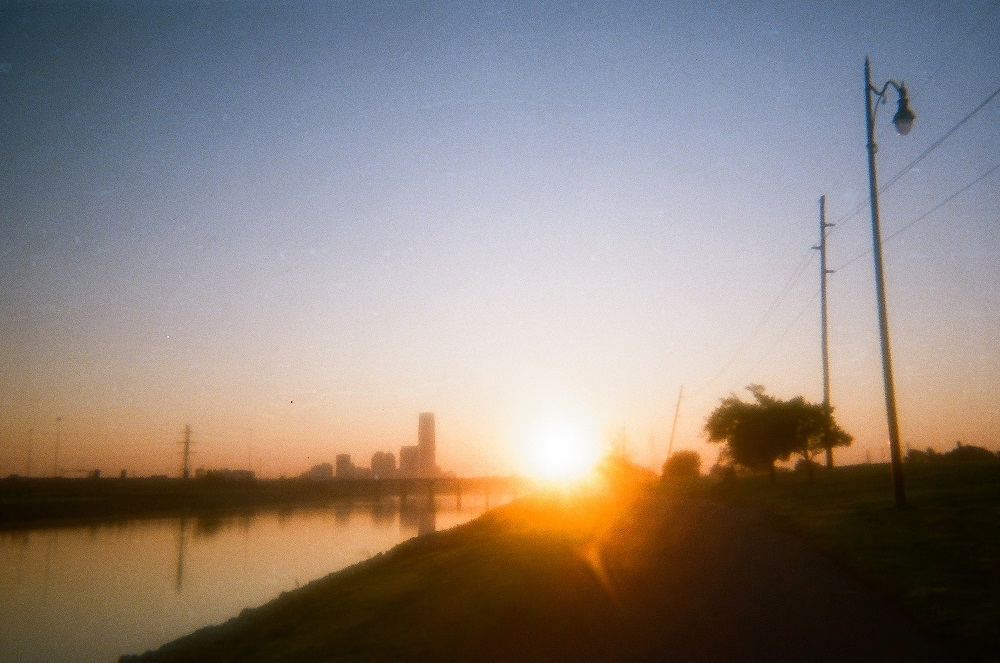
x: 561, y: 452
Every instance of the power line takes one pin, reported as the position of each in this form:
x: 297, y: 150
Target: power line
x: 936, y: 144
x: 782, y: 336
x: 803, y: 263
x: 945, y: 201
x: 926, y: 214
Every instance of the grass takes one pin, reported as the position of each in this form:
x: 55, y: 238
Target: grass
x: 414, y: 602
x: 939, y: 556
x: 519, y: 584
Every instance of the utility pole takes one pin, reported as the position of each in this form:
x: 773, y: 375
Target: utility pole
x: 823, y: 271
x: 673, y: 429
x: 186, y: 472
x: 31, y: 441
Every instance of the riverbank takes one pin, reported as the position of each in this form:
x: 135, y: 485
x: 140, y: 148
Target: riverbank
x: 613, y: 575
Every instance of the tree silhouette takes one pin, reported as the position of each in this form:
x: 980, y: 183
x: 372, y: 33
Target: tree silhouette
x: 684, y: 464
x: 759, y: 433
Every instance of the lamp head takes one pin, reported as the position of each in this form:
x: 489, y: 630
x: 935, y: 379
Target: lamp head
x: 904, y: 117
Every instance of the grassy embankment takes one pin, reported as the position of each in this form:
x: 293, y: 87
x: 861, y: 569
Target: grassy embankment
x: 520, y: 584
x: 441, y: 597
x: 938, y: 557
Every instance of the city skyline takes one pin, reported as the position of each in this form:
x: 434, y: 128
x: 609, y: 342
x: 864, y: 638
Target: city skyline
x: 294, y: 227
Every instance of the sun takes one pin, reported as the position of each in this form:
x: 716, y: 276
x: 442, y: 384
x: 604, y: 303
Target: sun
x: 561, y: 452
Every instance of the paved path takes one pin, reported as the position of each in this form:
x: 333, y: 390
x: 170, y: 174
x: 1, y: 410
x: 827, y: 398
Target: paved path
x: 707, y: 581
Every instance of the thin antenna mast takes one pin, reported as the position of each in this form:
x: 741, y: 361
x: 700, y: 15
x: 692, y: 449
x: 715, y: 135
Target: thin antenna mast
x: 673, y: 429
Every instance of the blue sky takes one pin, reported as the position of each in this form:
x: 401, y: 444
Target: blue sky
x: 295, y: 226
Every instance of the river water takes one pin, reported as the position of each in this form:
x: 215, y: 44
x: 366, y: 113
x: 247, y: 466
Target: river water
x: 91, y: 593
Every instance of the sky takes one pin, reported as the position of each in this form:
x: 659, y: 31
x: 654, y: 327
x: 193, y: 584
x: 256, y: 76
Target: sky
x: 295, y: 226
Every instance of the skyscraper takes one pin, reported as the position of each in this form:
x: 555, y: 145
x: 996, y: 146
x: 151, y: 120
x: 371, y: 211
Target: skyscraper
x: 426, y: 445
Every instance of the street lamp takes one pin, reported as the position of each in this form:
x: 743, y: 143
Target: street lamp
x: 903, y: 120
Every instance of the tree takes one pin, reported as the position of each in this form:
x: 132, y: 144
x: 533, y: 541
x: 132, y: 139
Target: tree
x: 684, y: 464
x: 759, y: 433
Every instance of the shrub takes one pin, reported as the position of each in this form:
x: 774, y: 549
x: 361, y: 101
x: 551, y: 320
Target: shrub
x: 682, y: 464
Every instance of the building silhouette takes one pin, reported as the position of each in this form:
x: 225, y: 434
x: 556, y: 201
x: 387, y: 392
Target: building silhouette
x: 345, y: 468
x: 426, y: 465
x: 383, y: 464
x: 409, y: 461
x: 319, y: 472
x: 417, y: 461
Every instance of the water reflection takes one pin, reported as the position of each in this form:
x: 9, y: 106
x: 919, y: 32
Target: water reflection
x: 181, y: 544
x: 92, y: 592
x: 418, y: 513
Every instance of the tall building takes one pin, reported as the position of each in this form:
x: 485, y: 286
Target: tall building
x: 426, y: 445
x: 383, y: 464
x: 409, y: 461
x: 344, y: 468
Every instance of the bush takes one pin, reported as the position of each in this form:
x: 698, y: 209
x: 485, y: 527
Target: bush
x: 970, y: 454
x: 682, y: 464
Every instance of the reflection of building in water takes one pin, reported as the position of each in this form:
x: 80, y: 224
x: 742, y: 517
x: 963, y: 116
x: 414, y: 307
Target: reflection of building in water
x: 384, y: 511
x: 342, y: 510
x: 418, y: 513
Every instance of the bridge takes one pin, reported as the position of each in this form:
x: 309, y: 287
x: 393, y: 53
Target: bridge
x: 404, y: 487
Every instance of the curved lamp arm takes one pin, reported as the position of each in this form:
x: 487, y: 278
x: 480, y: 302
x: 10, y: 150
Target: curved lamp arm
x: 904, y: 117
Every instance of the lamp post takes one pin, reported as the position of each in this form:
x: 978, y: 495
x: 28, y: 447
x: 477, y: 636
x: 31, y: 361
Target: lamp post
x: 903, y: 120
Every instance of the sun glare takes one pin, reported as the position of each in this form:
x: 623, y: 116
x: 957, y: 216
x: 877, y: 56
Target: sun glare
x: 561, y: 452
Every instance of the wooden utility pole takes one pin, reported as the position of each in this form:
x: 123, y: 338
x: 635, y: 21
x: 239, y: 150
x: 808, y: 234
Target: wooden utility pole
x: 673, y: 429
x: 823, y: 271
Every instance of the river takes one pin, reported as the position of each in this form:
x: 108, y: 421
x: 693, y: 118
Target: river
x: 93, y: 592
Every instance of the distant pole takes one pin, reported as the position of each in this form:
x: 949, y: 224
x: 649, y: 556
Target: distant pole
x: 31, y: 441
x: 673, y: 429
x: 903, y: 120
x: 823, y: 271
x: 186, y: 471
x: 55, y: 460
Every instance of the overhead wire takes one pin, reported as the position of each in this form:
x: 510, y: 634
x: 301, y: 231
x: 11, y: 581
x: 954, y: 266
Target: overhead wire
x: 926, y: 214
x: 853, y: 212
x: 908, y: 167
x: 796, y: 272
x: 783, y: 334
